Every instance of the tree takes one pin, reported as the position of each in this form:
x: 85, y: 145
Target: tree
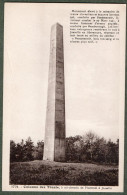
x: 101, y: 150
x: 113, y: 151
x: 40, y: 150
x: 89, y: 147
x: 19, y: 152
x: 28, y: 150
x: 12, y: 151
x: 78, y: 146
x: 89, y: 144
x: 73, y: 148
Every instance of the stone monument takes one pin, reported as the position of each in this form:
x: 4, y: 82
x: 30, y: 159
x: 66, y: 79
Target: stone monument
x: 54, y: 143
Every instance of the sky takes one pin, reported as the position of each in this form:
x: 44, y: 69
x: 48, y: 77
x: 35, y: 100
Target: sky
x: 92, y: 75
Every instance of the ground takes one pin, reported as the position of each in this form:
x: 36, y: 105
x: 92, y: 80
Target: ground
x: 41, y: 172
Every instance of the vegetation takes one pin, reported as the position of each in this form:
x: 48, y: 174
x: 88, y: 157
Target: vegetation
x: 90, y: 160
x: 26, y: 151
x: 92, y: 148
x: 89, y: 148
x: 40, y: 172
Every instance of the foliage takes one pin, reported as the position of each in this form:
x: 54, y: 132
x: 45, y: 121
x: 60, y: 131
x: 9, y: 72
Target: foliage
x: 26, y: 151
x: 12, y: 151
x: 91, y: 148
x: 86, y: 148
x: 38, y: 150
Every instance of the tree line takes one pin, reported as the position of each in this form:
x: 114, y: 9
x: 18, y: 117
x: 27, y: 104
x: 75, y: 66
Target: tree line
x: 26, y: 151
x: 86, y: 148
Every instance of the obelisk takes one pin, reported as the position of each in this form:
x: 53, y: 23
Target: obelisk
x: 54, y: 143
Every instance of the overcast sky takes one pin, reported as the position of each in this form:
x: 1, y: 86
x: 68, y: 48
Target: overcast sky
x: 92, y: 83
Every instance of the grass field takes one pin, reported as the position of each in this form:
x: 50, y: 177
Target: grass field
x: 55, y: 173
